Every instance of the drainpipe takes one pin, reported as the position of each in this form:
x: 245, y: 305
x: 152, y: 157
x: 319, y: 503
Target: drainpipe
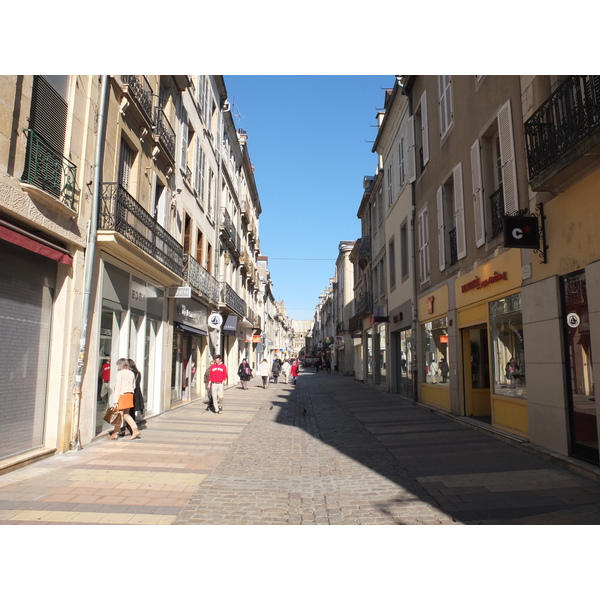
x: 75, y: 443
x: 415, y: 315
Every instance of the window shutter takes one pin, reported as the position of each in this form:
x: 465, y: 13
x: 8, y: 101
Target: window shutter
x: 184, y: 137
x: 423, y: 247
x: 411, y: 155
x: 197, y: 166
x: 126, y: 162
x: 440, y: 220
x: 424, y: 128
x: 477, y: 178
x: 459, y: 212
x: 507, y: 158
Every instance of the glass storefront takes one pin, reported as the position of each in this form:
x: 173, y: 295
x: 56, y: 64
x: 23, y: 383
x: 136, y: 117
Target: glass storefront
x: 580, y: 376
x: 130, y: 326
x: 381, y: 332
x: 508, y: 355
x: 406, y: 364
x: 434, y: 354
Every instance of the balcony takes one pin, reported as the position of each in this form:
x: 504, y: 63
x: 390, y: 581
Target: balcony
x: 164, y: 134
x: 364, y: 252
x: 200, y: 280
x: 364, y: 304
x: 228, y: 233
x: 497, y: 209
x: 47, y: 170
x: 453, y: 247
x: 138, y: 89
x: 231, y: 300
x: 562, y: 136
x: 119, y: 212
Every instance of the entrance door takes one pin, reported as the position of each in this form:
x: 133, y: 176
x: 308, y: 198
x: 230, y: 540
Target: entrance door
x: 476, y: 363
x: 582, y: 397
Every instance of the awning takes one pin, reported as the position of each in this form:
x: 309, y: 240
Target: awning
x: 20, y: 237
x: 189, y: 329
x: 230, y: 323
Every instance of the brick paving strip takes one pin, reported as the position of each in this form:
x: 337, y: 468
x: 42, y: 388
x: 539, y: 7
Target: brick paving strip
x: 141, y: 482
x: 329, y: 451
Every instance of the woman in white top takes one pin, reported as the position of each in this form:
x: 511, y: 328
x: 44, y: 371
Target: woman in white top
x: 123, y: 398
x: 285, y: 369
x: 264, y: 370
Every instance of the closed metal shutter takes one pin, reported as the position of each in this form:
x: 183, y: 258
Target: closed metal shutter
x: 48, y: 114
x: 27, y: 284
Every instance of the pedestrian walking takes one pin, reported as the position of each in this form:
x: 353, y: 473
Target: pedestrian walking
x: 217, y: 375
x: 264, y: 371
x: 138, y: 401
x: 244, y: 373
x: 276, y: 369
x: 209, y: 405
x: 294, y: 372
x: 123, y: 397
x: 285, y: 370
x: 328, y: 366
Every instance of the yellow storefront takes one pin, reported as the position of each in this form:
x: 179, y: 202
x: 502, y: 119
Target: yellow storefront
x: 435, y: 363
x: 490, y: 341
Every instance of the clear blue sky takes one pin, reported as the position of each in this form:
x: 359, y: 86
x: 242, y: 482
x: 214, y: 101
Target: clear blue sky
x: 310, y: 140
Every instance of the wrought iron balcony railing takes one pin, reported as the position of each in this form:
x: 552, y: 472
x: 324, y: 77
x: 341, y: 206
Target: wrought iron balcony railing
x: 232, y: 300
x: 202, y: 282
x: 364, y: 304
x: 140, y: 90
x: 497, y: 205
x: 453, y: 247
x: 164, y: 132
x: 48, y: 170
x: 121, y: 213
x: 567, y: 117
x: 364, y: 252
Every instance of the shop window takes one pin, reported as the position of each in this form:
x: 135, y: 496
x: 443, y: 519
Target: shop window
x: 435, y: 355
x: 406, y: 363
x: 506, y: 324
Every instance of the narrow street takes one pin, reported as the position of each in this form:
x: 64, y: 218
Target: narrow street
x: 327, y: 451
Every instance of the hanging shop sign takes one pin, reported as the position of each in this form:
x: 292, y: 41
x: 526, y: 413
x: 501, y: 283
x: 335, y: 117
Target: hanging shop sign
x: 179, y: 292
x: 521, y: 232
x: 215, y: 320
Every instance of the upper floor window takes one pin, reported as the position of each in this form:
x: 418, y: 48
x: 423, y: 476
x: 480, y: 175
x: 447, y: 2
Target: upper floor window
x: 401, y: 162
x: 390, y: 185
x: 494, y: 181
x: 445, y: 101
x: 421, y: 129
x: 451, y: 219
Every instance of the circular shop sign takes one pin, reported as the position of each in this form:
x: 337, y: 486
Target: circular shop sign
x: 573, y: 320
x: 215, y: 320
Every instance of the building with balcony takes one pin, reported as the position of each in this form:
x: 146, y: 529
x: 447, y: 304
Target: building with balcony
x: 128, y: 215
x: 47, y: 149
x: 561, y: 298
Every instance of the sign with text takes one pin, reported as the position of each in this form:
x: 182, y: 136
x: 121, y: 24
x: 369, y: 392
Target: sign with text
x: 521, y: 232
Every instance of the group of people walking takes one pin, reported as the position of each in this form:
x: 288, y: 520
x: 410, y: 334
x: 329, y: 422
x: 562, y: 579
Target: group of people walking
x: 127, y: 398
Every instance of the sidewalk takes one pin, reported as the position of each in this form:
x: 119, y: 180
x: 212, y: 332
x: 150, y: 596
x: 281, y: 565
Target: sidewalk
x: 327, y: 451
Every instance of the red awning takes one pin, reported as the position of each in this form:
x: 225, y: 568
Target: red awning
x: 32, y: 243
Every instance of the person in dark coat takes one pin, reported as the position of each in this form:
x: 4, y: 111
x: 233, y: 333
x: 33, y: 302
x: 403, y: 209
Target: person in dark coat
x: 276, y: 369
x: 244, y: 373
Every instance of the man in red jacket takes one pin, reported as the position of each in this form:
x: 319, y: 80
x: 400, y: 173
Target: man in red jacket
x: 217, y: 374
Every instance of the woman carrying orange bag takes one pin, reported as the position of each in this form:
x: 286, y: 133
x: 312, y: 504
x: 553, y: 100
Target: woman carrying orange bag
x: 124, y: 390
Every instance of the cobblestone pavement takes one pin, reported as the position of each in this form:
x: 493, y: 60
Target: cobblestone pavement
x: 334, y: 451
x: 327, y: 451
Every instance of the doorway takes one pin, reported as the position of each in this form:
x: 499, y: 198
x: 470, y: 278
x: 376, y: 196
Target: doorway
x: 478, y: 399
